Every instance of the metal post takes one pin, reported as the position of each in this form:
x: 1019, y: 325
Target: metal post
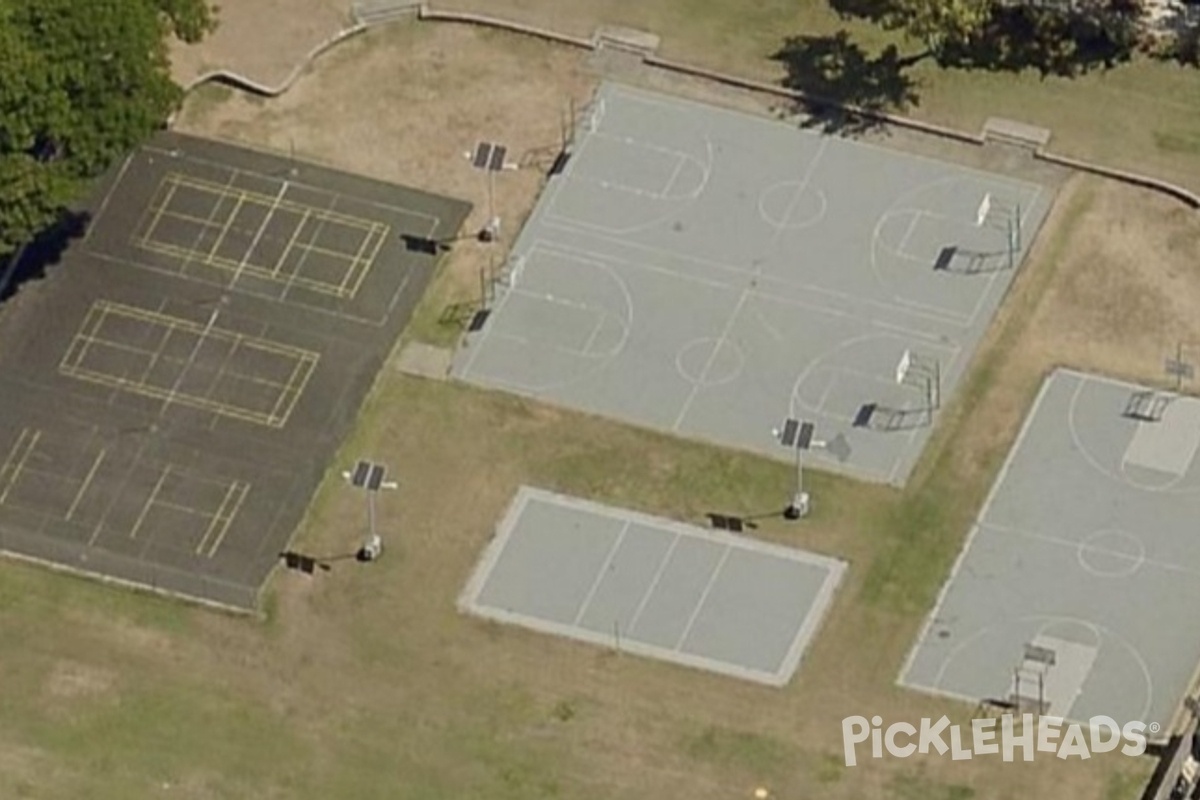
x: 371, y: 512
x: 1179, y: 372
x: 491, y: 196
x: 799, y: 472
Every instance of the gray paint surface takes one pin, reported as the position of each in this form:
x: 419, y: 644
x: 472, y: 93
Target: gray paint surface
x: 1079, y: 544
x: 707, y: 273
x: 651, y: 586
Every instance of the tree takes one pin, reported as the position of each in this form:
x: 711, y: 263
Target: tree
x: 938, y: 24
x: 81, y: 84
x: 1062, y: 37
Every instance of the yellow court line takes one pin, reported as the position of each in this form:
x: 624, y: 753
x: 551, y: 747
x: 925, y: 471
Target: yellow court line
x: 162, y: 207
x: 16, y: 471
x: 86, y: 483
x: 192, y: 219
x: 12, y: 453
x: 223, y: 519
x: 95, y: 319
x: 295, y: 393
x: 225, y: 228
x: 229, y: 265
x: 132, y: 312
x: 349, y: 220
x: 291, y: 242
x: 149, y: 502
x: 223, y: 409
x: 286, y: 387
x: 155, y: 355
x: 357, y: 261
x: 195, y: 512
x: 119, y: 346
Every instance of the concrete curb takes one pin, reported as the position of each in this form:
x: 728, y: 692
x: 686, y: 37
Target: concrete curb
x: 424, y: 12
x: 250, y: 85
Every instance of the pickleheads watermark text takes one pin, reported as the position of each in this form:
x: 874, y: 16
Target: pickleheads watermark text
x: 1007, y: 737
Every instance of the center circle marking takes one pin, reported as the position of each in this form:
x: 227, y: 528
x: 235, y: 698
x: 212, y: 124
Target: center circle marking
x: 1111, y: 553
x: 710, y: 361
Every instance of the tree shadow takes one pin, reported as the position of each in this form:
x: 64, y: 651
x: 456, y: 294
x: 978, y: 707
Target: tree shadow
x: 835, y: 72
x: 31, y: 262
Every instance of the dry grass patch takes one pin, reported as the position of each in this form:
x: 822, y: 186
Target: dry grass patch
x: 365, y: 681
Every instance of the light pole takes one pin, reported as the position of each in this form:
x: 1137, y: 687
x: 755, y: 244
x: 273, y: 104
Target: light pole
x: 797, y: 435
x: 369, y: 477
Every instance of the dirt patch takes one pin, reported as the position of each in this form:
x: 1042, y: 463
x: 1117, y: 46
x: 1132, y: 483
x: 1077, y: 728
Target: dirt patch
x: 406, y: 103
x: 263, y: 40
x: 71, y: 680
x: 466, y: 708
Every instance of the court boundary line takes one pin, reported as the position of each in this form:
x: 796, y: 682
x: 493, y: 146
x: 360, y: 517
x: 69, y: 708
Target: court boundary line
x: 203, y: 403
x: 969, y: 541
x: 468, y: 599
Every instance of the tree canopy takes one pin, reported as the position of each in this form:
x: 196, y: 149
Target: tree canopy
x: 81, y: 84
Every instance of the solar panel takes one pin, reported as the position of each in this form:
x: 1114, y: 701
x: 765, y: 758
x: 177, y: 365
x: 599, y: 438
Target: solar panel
x: 376, y: 477
x: 483, y: 153
x: 498, y: 154
x: 361, y: 469
x: 804, y: 440
x: 790, y: 429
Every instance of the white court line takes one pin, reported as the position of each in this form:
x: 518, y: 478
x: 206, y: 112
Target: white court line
x: 712, y: 580
x: 712, y: 357
x: 952, y: 575
x: 117, y: 183
x: 703, y: 109
x: 619, y: 243
x: 616, y: 350
x: 200, y: 340
x: 666, y: 192
x: 261, y: 176
x: 601, y: 318
x: 1077, y: 545
x: 261, y: 230
x: 658, y: 573
x: 1019, y: 257
x: 746, y: 292
x: 601, y: 573
x: 295, y: 273
x: 912, y: 226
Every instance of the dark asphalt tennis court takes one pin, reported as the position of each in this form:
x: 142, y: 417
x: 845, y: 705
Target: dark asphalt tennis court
x: 661, y: 589
x: 173, y: 393
x: 709, y: 273
x: 1081, y: 577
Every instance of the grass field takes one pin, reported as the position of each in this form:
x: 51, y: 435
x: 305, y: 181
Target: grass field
x: 1136, y: 116
x: 364, y: 681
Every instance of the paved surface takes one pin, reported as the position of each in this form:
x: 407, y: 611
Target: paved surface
x: 708, y: 273
x: 653, y: 587
x: 1085, y: 550
x: 172, y: 395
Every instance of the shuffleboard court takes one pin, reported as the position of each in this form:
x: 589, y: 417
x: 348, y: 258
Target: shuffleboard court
x: 174, y: 391
x: 653, y: 587
x: 709, y: 273
x: 1077, y: 589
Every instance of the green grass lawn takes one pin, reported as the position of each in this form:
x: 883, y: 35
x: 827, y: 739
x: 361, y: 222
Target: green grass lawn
x: 1139, y: 116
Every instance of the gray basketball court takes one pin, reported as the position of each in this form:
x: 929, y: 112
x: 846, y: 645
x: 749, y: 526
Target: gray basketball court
x: 653, y: 587
x: 1078, y: 587
x: 709, y: 273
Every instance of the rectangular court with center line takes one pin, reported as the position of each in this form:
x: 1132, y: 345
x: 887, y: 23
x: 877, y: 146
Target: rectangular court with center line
x: 653, y: 587
x: 1075, y: 594
x: 175, y: 389
x: 709, y: 273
